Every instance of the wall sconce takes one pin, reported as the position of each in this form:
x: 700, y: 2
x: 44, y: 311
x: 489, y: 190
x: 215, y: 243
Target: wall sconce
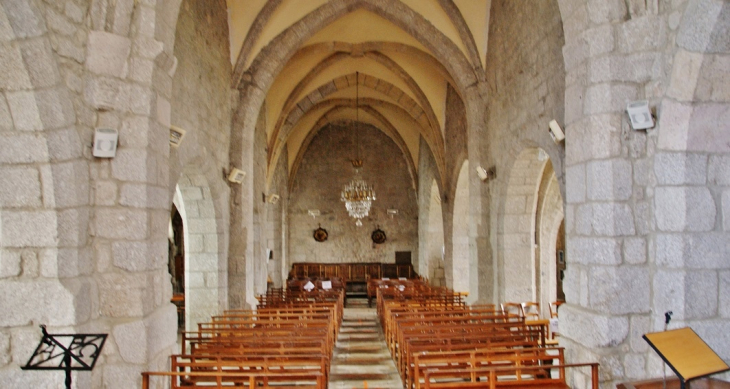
x: 487, y: 175
x: 313, y: 213
x: 555, y: 131
x: 105, y: 143
x: 392, y: 212
x: 236, y: 176
x: 640, y: 115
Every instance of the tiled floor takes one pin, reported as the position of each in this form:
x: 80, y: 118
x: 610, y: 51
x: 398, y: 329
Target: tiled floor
x: 361, y: 358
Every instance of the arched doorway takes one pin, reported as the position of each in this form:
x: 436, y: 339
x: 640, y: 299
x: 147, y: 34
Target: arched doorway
x: 176, y: 264
x: 549, y: 238
x: 532, y: 215
x: 200, y: 237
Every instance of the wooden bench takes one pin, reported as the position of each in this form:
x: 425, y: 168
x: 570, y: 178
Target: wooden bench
x: 469, y: 342
x: 244, y: 363
x: 486, y: 377
x: 218, y: 380
x: 485, y: 357
x: 287, y: 343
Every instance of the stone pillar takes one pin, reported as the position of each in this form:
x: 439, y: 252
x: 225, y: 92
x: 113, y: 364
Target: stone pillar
x: 642, y: 217
x: 481, y: 264
x: 241, y: 251
x: 608, y: 279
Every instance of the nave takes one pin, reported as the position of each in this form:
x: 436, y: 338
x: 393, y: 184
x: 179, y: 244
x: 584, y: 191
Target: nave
x: 416, y: 337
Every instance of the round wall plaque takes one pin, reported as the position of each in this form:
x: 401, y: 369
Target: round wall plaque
x: 378, y: 236
x: 320, y: 234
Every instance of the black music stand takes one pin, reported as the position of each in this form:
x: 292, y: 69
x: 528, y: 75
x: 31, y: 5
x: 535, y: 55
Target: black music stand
x: 66, y: 352
x: 686, y: 354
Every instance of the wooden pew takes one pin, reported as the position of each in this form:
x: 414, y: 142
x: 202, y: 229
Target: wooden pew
x: 485, y: 357
x: 287, y: 342
x: 218, y: 380
x: 486, y: 377
x: 467, y: 342
x: 243, y: 363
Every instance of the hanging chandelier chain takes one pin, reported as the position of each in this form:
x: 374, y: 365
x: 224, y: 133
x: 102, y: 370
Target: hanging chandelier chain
x: 357, y: 115
x: 357, y: 195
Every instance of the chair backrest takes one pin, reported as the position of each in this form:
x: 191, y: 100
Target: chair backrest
x: 513, y: 309
x: 531, y: 310
x: 554, y: 308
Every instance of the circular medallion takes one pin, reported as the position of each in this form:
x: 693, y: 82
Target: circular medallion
x: 378, y: 236
x: 320, y: 234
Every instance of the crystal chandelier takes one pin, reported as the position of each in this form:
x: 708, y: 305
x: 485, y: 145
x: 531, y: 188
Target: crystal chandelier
x: 357, y: 194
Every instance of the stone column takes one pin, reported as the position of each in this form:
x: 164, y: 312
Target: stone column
x: 608, y: 280
x: 241, y: 251
x: 481, y: 266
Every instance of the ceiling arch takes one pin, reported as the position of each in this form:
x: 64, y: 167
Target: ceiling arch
x: 303, y: 57
x: 335, y: 116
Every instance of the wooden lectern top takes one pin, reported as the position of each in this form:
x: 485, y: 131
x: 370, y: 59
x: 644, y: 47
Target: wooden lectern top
x: 686, y: 353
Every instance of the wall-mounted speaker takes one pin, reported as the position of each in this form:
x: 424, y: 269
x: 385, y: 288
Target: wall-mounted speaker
x: 176, y: 136
x: 640, y: 115
x: 236, y: 176
x: 555, y: 131
x: 105, y: 143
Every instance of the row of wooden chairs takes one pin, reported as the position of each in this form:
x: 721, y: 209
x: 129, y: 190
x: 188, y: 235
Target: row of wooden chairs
x: 529, y: 309
x: 437, y: 341
x: 286, y: 342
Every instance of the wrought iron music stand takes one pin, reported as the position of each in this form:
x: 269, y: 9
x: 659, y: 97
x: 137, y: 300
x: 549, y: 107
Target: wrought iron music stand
x: 686, y: 354
x: 66, y: 352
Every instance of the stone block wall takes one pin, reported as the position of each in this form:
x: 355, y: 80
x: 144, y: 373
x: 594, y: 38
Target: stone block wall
x: 329, y: 155
x: 526, y: 81
x: 430, y: 221
x: 643, y: 213
x: 202, y: 108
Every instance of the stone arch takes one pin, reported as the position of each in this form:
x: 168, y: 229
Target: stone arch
x: 256, y: 81
x: 461, y: 262
x: 204, y: 269
x: 318, y: 99
x: 693, y: 113
x: 548, y: 217
x: 271, y: 59
x: 269, y: 62
x: 433, y: 265
x: 386, y: 127
x: 518, y: 228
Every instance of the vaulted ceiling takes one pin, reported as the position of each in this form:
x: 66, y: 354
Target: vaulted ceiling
x: 399, y: 83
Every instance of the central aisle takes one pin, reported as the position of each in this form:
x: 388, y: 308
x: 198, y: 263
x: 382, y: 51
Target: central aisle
x: 361, y: 355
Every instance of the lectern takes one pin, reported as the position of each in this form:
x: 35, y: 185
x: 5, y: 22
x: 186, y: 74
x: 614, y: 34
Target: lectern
x: 686, y: 354
x: 66, y: 352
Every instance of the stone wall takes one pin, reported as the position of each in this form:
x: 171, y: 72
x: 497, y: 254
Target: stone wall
x: 430, y: 263
x: 275, y: 226
x: 329, y: 156
x: 202, y: 108
x: 526, y: 81
x: 84, y: 245
x: 642, y: 214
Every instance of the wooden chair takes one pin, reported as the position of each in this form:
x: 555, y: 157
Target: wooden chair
x: 531, y: 310
x: 513, y: 309
x: 554, y: 308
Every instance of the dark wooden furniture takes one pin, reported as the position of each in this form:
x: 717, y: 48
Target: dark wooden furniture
x: 355, y: 275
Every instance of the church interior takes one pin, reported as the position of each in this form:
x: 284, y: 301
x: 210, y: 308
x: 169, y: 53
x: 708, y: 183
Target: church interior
x: 163, y: 162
